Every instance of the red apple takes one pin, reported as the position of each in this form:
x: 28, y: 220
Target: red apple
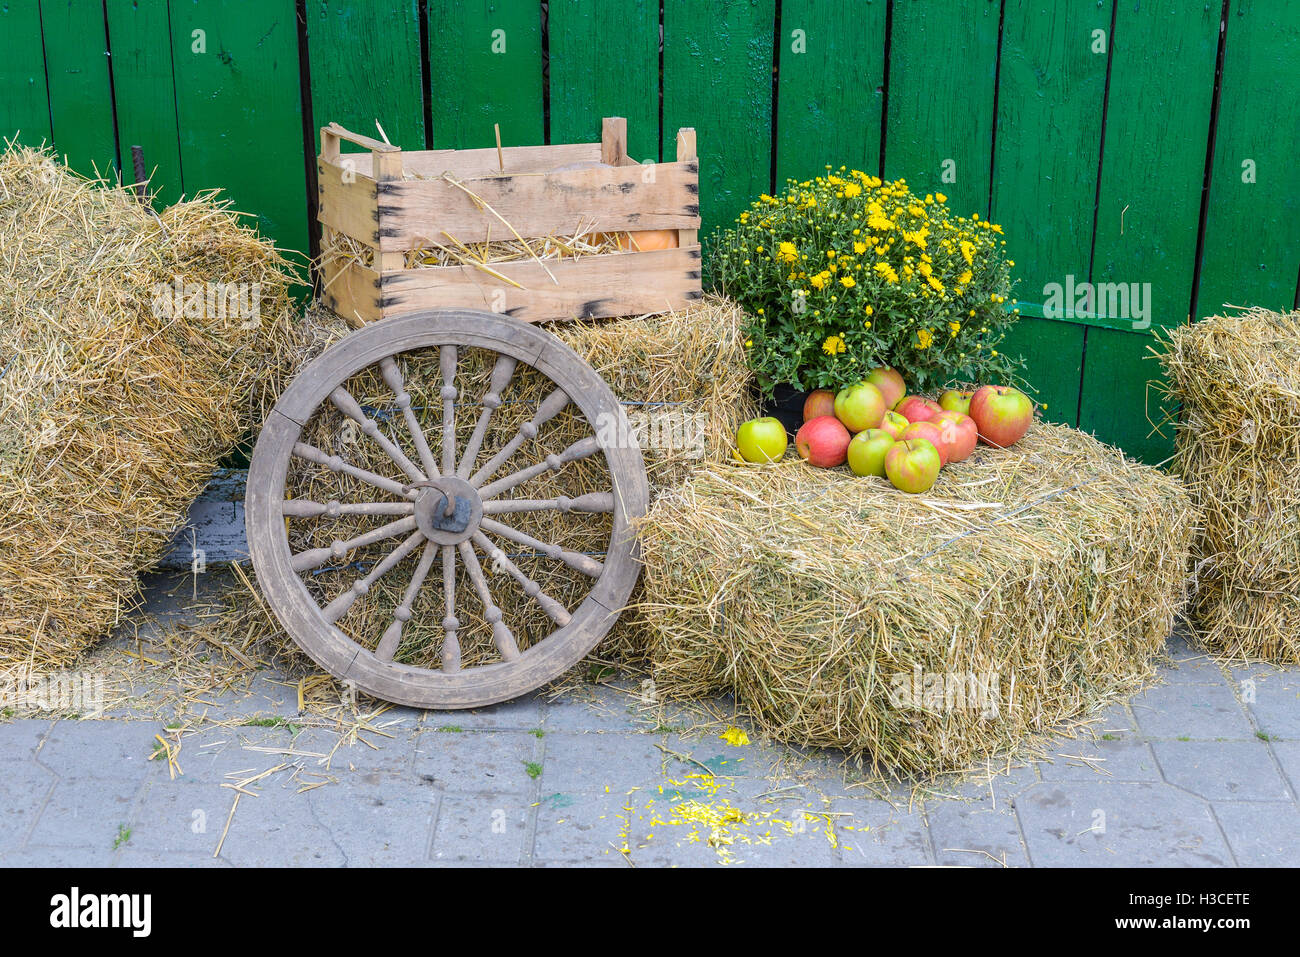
x: 867, y: 452
x: 859, y: 406
x: 823, y: 442
x: 819, y: 402
x: 955, y: 400
x: 1002, y: 414
x: 916, y: 408
x: 890, y: 383
x: 931, y: 433
x: 913, y: 466
x: 960, y: 434
x: 894, y: 424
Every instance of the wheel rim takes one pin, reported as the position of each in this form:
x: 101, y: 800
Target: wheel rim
x: 442, y: 504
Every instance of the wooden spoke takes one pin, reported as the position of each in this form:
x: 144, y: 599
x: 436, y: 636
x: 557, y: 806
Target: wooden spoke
x: 393, y: 377
x: 554, y: 610
x: 575, y: 560
x: 336, y: 463
x: 339, y: 606
x: 501, y: 373
x: 450, y: 624
x: 392, y: 637
x: 447, y: 363
x: 501, y: 634
x: 315, y: 557
x: 547, y: 409
x: 591, y: 502
x: 581, y: 449
x: 304, y: 508
x: 343, y: 401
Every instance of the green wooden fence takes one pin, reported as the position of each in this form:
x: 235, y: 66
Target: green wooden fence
x: 1117, y: 141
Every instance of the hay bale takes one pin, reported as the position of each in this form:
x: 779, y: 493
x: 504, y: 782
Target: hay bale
x: 115, y: 406
x: 683, y: 377
x: 924, y: 632
x: 1238, y: 448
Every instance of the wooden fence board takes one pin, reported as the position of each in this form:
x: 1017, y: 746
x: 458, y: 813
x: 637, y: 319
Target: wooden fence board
x: 24, y: 102
x: 76, y: 68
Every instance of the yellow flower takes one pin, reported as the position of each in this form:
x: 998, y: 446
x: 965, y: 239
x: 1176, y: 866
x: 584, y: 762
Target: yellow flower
x: 819, y: 281
x: 735, y: 737
x: 954, y: 328
x: 868, y: 310
x: 852, y: 189
x: 967, y: 251
x: 833, y: 345
x: 867, y: 324
x: 859, y: 248
x: 847, y: 282
x: 924, y: 338
x: 787, y: 253
x: 940, y: 197
x: 964, y: 278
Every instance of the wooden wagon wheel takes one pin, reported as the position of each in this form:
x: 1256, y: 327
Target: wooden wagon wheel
x: 443, y: 507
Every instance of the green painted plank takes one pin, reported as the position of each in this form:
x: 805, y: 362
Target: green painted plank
x: 1121, y: 405
x: 1252, y: 231
x: 24, y: 104
x: 239, y: 109
x: 622, y: 81
x: 1051, y: 90
x: 830, y: 88
x: 1053, y: 352
x: 81, y: 104
x: 718, y: 79
x: 365, y: 66
x: 140, y: 38
x: 939, y: 133
x: 485, y: 59
x: 1158, y: 119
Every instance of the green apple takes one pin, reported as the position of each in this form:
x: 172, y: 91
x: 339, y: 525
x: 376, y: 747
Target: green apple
x: 912, y: 466
x: 859, y: 406
x: 762, y: 440
x: 894, y: 423
x: 955, y: 400
x: 867, y: 452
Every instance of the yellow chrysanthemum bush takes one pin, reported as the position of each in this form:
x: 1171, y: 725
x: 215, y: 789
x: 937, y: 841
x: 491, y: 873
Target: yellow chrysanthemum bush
x: 845, y: 272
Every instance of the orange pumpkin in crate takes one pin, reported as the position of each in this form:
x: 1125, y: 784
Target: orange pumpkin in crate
x: 646, y: 240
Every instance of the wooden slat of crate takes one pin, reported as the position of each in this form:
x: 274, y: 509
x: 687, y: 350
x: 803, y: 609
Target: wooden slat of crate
x: 463, y: 163
x: 348, y: 200
x: 619, y: 284
x: 418, y: 213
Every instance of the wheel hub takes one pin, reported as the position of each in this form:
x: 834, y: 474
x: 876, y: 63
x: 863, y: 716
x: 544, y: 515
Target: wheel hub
x: 448, y: 510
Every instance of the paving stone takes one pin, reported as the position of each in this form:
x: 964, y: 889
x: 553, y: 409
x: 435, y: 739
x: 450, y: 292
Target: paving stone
x: 1144, y: 824
x: 1276, y: 708
x: 382, y: 821
x: 1261, y: 835
x: 1190, y: 665
x: 392, y: 755
x: 99, y: 749
x: 184, y: 816
x: 131, y: 857
x: 600, y: 707
x: 882, y: 835
x: 85, y: 812
x: 521, y: 714
x: 1117, y: 760
x: 1202, y: 712
x: 477, y: 761
x: 42, y: 856
x: 487, y: 829
x: 579, y: 827
x: 24, y: 787
x: 1222, y: 770
x: 1116, y: 719
x: 1288, y: 756
x: 595, y: 761
x: 976, y: 834
x: 19, y: 739
x: 277, y: 829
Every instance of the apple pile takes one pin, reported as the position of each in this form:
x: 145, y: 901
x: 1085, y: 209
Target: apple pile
x: 880, y: 430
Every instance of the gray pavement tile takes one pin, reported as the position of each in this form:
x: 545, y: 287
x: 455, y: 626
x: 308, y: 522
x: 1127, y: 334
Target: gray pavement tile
x: 131, y: 857
x: 1115, y: 719
x: 1192, y: 668
x: 976, y: 834
x: 600, y: 707
x: 595, y: 761
x: 580, y: 827
x: 99, y: 749
x: 1181, y: 647
x: 521, y: 714
x: 477, y: 761
x: 277, y: 829
x: 53, y: 856
x: 1288, y: 756
x: 86, y: 812
x: 19, y: 738
x: 484, y: 829
x: 876, y: 833
x: 1276, y: 704
x: 1118, y: 824
x: 184, y: 816
x: 24, y: 787
x: 1261, y: 835
x: 1202, y: 712
x: 1222, y: 770
x: 999, y: 786
x: 1118, y: 760
x: 383, y: 822
x: 326, y: 751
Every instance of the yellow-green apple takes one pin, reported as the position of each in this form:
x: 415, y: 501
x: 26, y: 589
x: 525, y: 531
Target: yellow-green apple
x: 931, y: 433
x: 913, y: 465
x: 859, y: 406
x: 1002, y: 414
x: 894, y: 424
x: 959, y: 433
x: 819, y: 402
x: 917, y: 408
x: 867, y: 452
x: 890, y: 383
x: 762, y: 440
x: 955, y: 400
x: 823, y: 442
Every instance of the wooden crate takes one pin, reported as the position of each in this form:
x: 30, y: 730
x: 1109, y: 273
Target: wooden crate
x: 392, y: 201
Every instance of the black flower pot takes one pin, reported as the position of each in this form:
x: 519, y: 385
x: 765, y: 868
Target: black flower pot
x: 786, y: 404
